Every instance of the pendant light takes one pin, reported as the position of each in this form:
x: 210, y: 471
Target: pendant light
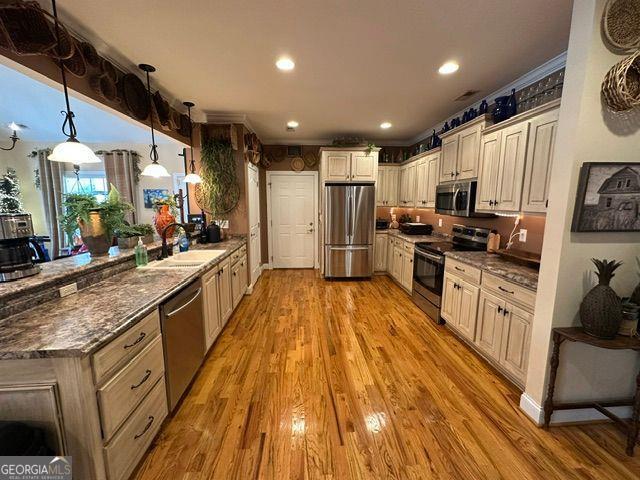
x: 192, y: 177
x: 154, y: 169
x: 70, y: 151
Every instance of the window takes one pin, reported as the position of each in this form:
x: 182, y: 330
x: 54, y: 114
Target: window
x: 93, y: 183
x: 619, y: 184
x: 609, y: 202
x: 628, y: 183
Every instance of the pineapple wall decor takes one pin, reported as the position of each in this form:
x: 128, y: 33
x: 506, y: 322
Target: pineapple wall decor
x: 601, y: 308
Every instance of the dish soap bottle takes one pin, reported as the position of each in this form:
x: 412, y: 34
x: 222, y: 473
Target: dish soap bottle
x: 142, y: 258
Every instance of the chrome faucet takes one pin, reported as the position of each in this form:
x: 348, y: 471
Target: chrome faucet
x: 165, y: 249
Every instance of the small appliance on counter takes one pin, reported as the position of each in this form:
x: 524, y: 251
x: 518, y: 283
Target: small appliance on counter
x: 214, y: 235
x: 414, y: 228
x: 16, y: 260
x: 382, y: 224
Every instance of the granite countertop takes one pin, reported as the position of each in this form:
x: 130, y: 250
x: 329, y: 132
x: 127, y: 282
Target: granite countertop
x: 435, y: 237
x: 490, y: 262
x: 80, y: 324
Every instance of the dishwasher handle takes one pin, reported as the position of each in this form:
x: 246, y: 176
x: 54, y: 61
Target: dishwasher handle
x: 184, y: 305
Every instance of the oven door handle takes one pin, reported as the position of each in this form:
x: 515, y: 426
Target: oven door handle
x: 436, y: 258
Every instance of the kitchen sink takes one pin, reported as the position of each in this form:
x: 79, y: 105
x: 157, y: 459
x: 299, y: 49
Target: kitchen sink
x: 189, y: 259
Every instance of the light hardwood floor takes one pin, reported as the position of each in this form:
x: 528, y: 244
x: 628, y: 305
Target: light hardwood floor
x: 348, y: 380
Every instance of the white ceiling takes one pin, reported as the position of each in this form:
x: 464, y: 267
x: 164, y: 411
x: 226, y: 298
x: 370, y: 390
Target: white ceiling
x: 358, y: 62
x: 25, y: 100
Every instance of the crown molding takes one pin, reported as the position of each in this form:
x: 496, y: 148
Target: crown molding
x: 293, y: 141
x: 538, y: 73
x: 229, y: 117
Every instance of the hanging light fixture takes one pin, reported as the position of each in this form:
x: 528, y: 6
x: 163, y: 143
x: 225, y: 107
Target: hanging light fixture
x: 14, y: 136
x: 70, y: 151
x: 154, y: 169
x: 192, y: 177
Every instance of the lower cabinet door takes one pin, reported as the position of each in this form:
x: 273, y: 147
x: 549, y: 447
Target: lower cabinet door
x: 224, y: 291
x: 396, y: 271
x: 235, y: 284
x: 407, y: 270
x: 468, y: 309
x: 380, y: 263
x: 516, y: 337
x: 490, y: 321
x: 449, y: 307
x: 212, y: 324
x: 244, y: 272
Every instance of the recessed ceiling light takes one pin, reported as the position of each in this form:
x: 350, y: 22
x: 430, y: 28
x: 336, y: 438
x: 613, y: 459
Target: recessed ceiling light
x: 285, y: 63
x: 385, y: 125
x: 448, y: 68
x: 292, y: 124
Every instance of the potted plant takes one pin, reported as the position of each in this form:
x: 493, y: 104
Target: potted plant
x: 166, y: 212
x: 128, y: 235
x: 97, y: 221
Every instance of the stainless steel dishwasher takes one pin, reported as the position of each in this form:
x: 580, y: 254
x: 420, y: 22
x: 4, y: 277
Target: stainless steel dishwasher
x: 183, y: 339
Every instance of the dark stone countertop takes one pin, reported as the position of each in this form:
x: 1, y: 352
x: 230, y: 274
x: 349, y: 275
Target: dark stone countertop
x: 435, y: 237
x: 78, y: 325
x: 526, y: 277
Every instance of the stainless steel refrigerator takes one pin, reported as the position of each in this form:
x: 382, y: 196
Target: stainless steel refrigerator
x: 349, y: 230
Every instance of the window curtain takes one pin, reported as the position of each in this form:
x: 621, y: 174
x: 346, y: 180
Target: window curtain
x: 121, y: 170
x: 51, y: 187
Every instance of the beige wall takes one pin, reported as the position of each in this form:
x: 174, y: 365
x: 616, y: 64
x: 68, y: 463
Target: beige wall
x: 587, y: 132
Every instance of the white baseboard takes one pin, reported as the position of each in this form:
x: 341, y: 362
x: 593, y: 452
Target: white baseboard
x: 266, y: 266
x: 536, y: 413
x: 249, y: 290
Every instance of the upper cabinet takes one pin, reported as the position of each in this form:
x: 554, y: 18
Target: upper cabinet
x: 407, y: 191
x: 387, y: 186
x: 461, y: 151
x: 427, y: 172
x: 542, y: 138
x: 515, y: 162
x: 349, y: 165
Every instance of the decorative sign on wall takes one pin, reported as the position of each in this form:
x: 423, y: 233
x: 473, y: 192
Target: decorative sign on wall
x: 152, y: 194
x: 608, y: 198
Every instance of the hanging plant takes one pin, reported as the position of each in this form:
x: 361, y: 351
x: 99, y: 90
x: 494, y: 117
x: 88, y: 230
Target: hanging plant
x: 219, y: 192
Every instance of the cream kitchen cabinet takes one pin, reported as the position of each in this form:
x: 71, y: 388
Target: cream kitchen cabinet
x: 224, y: 291
x: 490, y: 322
x: 427, y: 171
x: 397, y: 263
x: 211, y: 297
x: 380, y: 252
x: 516, y: 339
x: 460, y: 304
x: 406, y: 195
x: 387, y: 186
x: 542, y: 138
x: 349, y: 165
x: 461, y: 150
x: 407, y: 270
x: 502, y: 162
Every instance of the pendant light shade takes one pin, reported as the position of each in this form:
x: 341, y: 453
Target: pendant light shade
x: 70, y: 151
x: 154, y: 169
x: 74, y: 152
x: 192, y: 177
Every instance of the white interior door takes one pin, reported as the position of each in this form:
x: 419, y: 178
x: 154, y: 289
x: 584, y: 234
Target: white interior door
x: 292, y: 210
x: 254, y: 224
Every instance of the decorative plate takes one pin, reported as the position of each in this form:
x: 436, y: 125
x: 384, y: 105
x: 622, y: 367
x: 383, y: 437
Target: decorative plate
x: 297, y: 164
x: 135, y: 97
x: 310, y: 159
x: 621, y: 24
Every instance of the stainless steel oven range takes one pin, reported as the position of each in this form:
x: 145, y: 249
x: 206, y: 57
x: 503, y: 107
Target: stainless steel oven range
x: 428, y: 266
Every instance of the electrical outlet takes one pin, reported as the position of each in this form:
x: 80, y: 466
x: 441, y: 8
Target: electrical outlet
x: 418, y: 218
x: 523, y: 235
x: 68, y: 290
x: 224, y: 224
x: 439, y: 222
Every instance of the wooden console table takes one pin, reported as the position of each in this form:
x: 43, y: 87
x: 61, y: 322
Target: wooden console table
x: 577, y: 334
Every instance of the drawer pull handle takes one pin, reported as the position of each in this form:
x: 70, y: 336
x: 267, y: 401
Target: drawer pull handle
x: 138, y: 340
x: 460, y: 269
x: 144, y: 379
x: 146, y: 427
x: 506, y: 312
x: 499, y: 309
x: 505, y: 290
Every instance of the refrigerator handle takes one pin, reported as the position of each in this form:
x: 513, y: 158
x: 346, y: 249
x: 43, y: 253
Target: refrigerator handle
x: 349, y: 214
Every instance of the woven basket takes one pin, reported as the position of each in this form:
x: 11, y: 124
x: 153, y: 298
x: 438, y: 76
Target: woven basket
x: 162, y: 109
x: 76, y: 65
x: 621, y: 85
x: 104, y: 87
x: 134, y: 96
x: 90, y: 55
x: 185, y: 126
x: 26, y: 29
x: 621, y: 24
x: 109, y: 70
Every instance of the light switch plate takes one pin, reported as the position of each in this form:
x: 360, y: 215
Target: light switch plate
x: 439, y: 222
x: 523, y: 235
x: 68, y: 290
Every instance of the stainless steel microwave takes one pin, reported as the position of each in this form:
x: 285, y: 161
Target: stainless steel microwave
x: 458, y: 199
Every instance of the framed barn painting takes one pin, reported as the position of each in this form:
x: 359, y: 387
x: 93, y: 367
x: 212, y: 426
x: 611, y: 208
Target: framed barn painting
x: 608, y: 198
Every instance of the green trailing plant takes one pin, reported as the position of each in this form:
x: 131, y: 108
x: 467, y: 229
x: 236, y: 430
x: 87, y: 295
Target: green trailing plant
x: 219, y: 192
x: 138, y: 230
x: 78, y: 206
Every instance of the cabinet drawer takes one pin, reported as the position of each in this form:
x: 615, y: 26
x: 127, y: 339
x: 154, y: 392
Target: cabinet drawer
x: 463, y: 270
x: 235, y: 256
x: 408, y: 247
x: 127, y: 388
x: 123, y: 453
x: 510, y: 291
x: 125, y: 347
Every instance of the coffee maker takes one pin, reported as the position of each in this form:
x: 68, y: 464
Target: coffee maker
x: 16, y: 261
